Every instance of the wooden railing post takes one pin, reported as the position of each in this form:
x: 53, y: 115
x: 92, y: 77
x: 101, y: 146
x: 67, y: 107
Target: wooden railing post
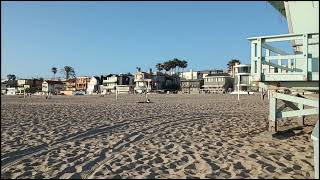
x: 305, y: 56
x: 259, y: 57
x: 273, y: 113
x: 267, y: 55
x: 301, y: 118
x: 253, y: 57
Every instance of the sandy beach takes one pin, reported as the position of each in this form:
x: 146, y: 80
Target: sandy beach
x: 175, y: 136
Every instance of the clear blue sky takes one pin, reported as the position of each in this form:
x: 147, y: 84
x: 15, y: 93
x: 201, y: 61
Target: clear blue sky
x: 113, y: 37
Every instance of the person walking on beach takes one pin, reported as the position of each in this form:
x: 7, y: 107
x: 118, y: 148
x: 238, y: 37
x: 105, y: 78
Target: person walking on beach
x: 263, y: 94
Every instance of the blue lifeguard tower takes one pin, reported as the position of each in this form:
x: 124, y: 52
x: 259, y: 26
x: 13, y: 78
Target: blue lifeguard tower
x: 291, y: 77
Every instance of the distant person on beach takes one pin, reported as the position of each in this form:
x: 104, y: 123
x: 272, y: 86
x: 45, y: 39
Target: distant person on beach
x: 263, y: 94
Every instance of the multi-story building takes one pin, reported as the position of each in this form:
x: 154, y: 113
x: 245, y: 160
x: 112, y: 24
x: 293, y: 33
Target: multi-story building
x: 232, y: 70
x: 242, y: 77
x: 190, y: 75
x: 36, y: 85
x: 165, y: 82
x: 109, y: 83
x: 11, y: 91
x: 191, y: 82
x: 23, y: 84
x: 191, y: 86
x: 205, y: 73
x: 70, y: 84
x: 82, y: 83
x: 52, y: 87
x: 93, y: 85
x: 125, y: 83
x: 217, y: 83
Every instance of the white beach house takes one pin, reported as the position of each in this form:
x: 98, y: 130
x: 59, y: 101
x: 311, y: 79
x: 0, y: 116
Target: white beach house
x: 11, y: 91
x: 242, y: 78
x: 93, y: 84
x: 53, y: 87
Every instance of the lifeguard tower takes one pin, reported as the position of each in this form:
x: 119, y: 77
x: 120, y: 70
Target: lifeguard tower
x: 290, y: 77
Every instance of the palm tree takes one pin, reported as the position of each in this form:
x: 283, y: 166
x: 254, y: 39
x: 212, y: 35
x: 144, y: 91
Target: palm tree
x: 159, y: 67
x: 175, y: 62
x: 171, y: 65
x: 54, y: 70
x: 179, y: 65
x: 68, y: 71
x: 184, y: 64
x: 166, y: 66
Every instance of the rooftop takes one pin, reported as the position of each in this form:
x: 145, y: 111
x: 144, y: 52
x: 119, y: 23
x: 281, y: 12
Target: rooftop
x: 218, y: 74
x: 243, y: 65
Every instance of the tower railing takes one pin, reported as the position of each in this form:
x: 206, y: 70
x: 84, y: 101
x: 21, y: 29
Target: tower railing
x: 269, y: 63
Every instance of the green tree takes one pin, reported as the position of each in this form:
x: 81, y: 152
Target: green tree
x: 232, y: 63
x: 68, y: 72
x: 54, y: 70
x: 11, y: 77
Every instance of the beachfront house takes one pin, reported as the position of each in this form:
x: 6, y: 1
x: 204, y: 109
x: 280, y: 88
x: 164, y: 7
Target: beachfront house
x: 242, y: 78
x: 125, y: 83
x: 191, y: 86
x: 82, y: 83
x: 144, y: 82
x: 232, y: 70
x: 93, y: 85
x: 205, y: 73
x: 126, y: 79
x: 3, y: 87
x: 109, y: 83
x: 70, y: 84
x: 191, y: 82
x: 52, y: 87
x: 190, y: 75
x: 164, y: 82
x: 69, y: 87
x: 217, y: 83
x: 33, y: 86
x: 36, y: 85
x: 159, y: 81
x: 11, y: 91
x: 23, y: 84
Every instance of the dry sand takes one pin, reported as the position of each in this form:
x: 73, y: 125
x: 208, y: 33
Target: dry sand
x: 176, y: 136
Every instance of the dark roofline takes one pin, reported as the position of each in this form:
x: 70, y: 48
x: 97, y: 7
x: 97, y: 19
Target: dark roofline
x: 109, y: 75
x: 53, y: 82
x: 218, y: 74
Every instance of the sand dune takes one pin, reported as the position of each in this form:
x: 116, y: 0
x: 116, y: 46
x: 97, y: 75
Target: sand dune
x: 175, y: 136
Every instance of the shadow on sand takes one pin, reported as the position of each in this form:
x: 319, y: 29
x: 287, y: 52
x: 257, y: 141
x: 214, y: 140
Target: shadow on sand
x: 291, y: 132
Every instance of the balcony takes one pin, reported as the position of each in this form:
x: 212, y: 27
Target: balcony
x: 110, y: 80
x: 269, y: 63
